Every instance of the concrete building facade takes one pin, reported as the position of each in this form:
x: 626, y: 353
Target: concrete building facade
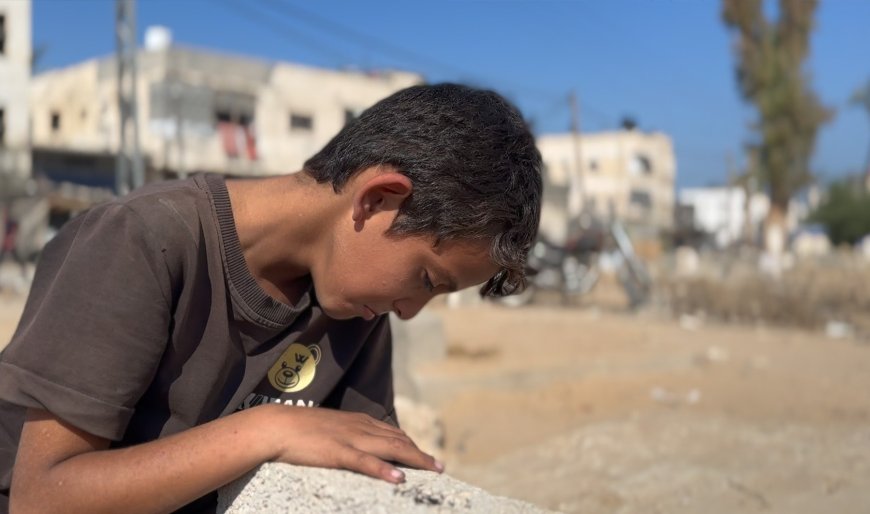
x: 200, y: 110
x: 15, y: 63
x: 626, y: 174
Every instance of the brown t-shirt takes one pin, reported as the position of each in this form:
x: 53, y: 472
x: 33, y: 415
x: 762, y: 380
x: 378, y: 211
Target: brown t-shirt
x: 143, y: 321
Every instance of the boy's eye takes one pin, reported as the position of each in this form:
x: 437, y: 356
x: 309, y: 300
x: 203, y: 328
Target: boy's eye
x: 427, y: 281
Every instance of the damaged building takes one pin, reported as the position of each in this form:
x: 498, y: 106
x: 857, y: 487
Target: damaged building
x: 198, y: 111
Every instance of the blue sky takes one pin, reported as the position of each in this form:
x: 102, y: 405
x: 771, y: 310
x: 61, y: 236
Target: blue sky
x: 667, y: 63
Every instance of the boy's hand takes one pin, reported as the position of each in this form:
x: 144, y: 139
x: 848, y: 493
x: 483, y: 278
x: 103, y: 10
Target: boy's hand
x: 334, y: 439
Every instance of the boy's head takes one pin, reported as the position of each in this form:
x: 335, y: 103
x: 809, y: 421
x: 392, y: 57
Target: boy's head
x: 472, y: 165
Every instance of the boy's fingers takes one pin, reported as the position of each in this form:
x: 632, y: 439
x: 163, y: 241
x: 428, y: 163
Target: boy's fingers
x: 401, y: 450
x: 367, y: 464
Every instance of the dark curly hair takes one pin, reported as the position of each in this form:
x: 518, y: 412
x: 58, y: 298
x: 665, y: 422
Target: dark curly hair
x: 471, y: 158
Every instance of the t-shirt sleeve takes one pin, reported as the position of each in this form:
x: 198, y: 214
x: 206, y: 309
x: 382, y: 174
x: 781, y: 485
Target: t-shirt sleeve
x: 367, y: 386
x: 95, y: 324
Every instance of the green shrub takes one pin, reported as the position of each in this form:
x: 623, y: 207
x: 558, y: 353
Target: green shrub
x: 845, y: 212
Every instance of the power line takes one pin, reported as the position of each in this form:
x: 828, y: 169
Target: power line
x: 286, y: 32
x: 393, y: 50
x: 293, y: 11
x: 386, y: 48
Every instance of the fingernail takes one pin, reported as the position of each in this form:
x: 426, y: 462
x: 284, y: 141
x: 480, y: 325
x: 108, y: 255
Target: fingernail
x: 439, y: 466
x: 398, y: 475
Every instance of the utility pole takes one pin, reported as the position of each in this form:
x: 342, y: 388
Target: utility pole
x: 129, y: 172
x: 576, y: 193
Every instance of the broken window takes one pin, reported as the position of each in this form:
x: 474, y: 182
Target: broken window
x: 55, y: 121
x: 301, y: 122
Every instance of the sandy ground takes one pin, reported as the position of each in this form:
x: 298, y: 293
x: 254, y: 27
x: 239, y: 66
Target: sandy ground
x: 581, y: 410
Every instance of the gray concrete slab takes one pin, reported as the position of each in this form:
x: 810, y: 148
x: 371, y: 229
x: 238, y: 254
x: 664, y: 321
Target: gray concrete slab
x: 284, y: 488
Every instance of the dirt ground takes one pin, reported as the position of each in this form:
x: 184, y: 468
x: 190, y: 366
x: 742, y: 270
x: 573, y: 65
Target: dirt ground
x: 580, y: 410
x: 584, y: 410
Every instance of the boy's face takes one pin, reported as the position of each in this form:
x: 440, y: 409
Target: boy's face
x: 365, y: 272
x: 373, y: 273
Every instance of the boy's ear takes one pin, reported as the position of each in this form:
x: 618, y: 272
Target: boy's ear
x: 382, y: 192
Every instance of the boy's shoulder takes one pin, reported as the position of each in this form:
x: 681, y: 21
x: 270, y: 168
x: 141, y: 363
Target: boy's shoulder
x: 175, y: 200
x: 162, y: 211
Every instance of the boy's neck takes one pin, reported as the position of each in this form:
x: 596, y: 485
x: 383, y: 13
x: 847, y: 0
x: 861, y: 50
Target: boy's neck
x: 282, y: 224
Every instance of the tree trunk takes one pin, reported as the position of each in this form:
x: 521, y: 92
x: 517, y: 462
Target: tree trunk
x: 775, y: 235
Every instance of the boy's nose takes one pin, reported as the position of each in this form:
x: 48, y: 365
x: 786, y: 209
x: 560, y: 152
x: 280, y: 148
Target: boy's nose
x: 408, y: 308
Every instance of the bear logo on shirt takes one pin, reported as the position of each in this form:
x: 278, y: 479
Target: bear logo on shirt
x: 294, y: 371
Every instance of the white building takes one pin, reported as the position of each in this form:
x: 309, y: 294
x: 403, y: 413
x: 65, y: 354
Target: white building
x: 199, y: 110
x: 723, y: 212
x: 15, y: 57
x: 627, y: 174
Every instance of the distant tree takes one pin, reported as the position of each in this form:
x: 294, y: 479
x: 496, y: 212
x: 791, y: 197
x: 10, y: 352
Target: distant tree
x: 845, y: 212
x: 770, y: 75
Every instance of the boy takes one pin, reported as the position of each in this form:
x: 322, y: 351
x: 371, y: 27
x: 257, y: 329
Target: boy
x: 172, y: 338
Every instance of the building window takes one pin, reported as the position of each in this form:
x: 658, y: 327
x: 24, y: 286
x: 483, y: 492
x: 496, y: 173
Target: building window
x: 640, y: 164
x: 352, y: 113
x: 593, y: 165
x: 301, y: 122
x: 2, y: 34
x: 55, y: 121
x: 349, y: 116
x: 223, y: 116
x: 236, y: 130
x: 641, y: 199
x: 2, y: 127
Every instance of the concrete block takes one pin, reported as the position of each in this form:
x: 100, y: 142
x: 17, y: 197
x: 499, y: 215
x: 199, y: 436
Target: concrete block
x: 284, y: 488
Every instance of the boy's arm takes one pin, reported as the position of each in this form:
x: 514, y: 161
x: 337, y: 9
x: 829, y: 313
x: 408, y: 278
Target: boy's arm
x: 60, y: 468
